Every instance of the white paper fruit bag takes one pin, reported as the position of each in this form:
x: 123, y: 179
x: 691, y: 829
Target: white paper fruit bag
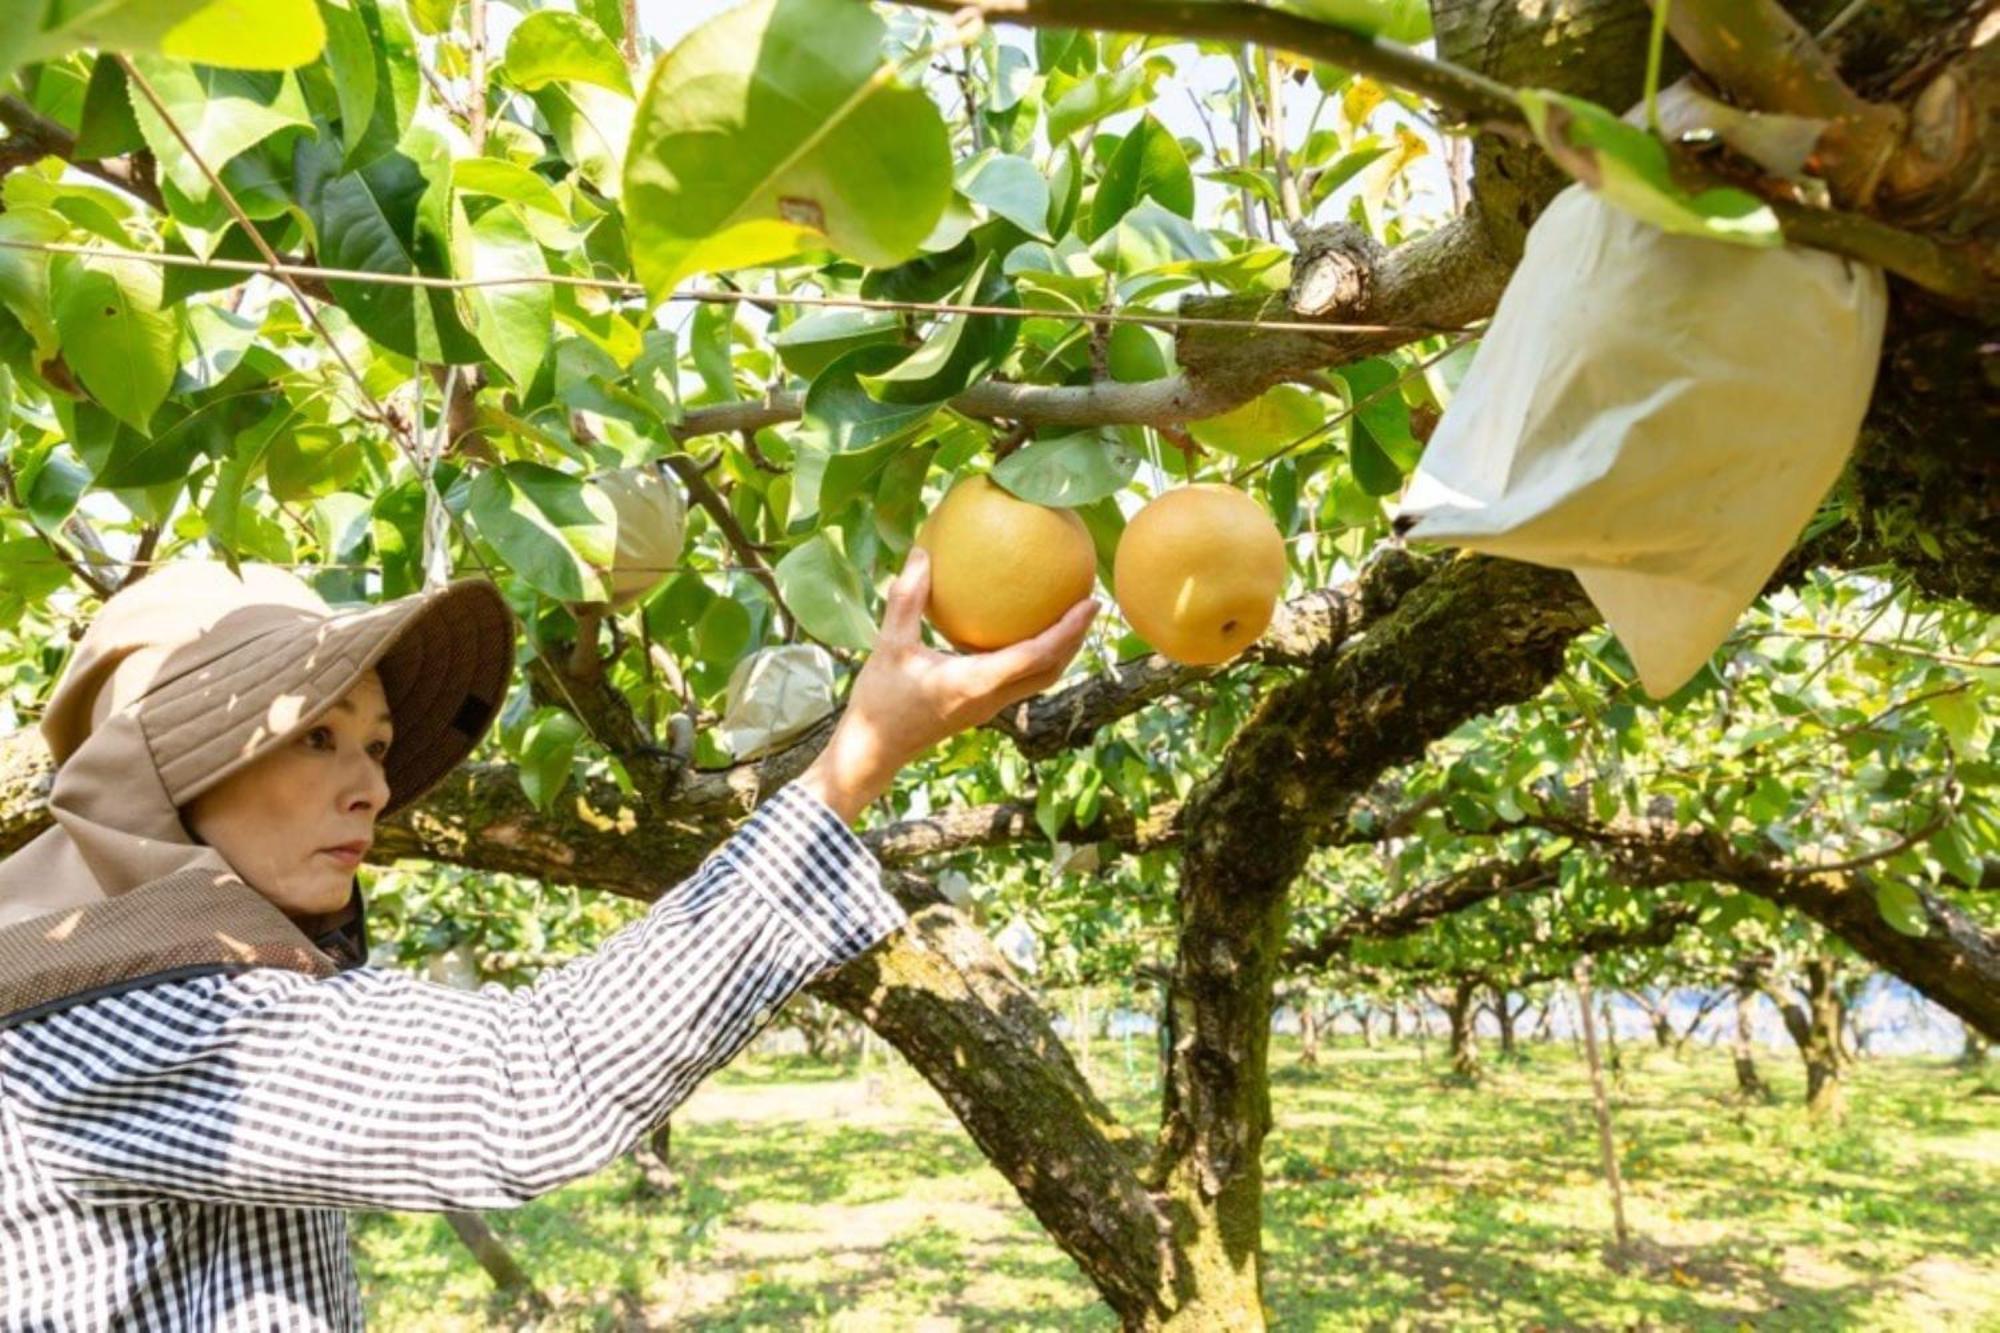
x: 774, y: 695
x: 1660, y: 414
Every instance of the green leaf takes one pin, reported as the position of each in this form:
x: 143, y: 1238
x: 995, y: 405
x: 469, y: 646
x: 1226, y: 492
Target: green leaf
x: 310, y: 461
x: 553, y: 47
x: 238, y: 34
x: 722, y: 632
x: 1958, y: 715
x: 1068, y: 471
x: 711, y: 340
x: 1345, y: 168
x: 1262, y: 426
x: 1150, y: 239
x: 1100, y: 95
x: 840, y: 416
x: 1135, y: 353
x: 506, y: 180
x: 553, y: 529
x: 433, y: 16
x: 810, y: 345
x: 350, y: 59
x: 24, y: 274
x: 391, y: 48
x: 769, y: 131
x: 29, y: 573
x: 115, y: 336
x: 959, y: 351
x: 1383, y: 450
x: 548, y: 753
x: 1902, y: 907
x: 107, y: 127
x: 222, y: 112
x: 1956, y: 850
x: 1630, y: 168
x: 1149, y: 164
x: 1010, y: 187
x: 825, y: 592
x: 1406, y: 21
x: 514, y: 323
x: 52, y: 487
x: 593, y: 129
x: 378, y: 219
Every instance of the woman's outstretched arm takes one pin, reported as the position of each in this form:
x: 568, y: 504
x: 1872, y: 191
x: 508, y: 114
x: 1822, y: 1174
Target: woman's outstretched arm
x: 373, y: 1089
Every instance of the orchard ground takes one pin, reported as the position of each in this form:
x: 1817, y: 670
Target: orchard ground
x: 819, y: 1196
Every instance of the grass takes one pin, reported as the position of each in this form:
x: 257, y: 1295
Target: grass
x: 817, y: 1198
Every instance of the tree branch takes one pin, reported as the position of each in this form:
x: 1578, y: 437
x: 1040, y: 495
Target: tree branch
x: 32, y: 136
x: 940, y: 993
x: 1475, y: 95
x: 1762, y: 57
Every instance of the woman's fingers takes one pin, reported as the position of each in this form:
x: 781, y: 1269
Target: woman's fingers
x: 1045, y: 654
x: 903, y: 617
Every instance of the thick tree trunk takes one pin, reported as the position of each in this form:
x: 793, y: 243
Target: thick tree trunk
x: 1749, y: 1085
x: 655, y: 1160
x: 1308, y: 1033
x: 1972, y: 1055
x: 1364, y: 1017
x: 1464, y: 1014
x: 1813, y: 1021
x: 1395, y: 1020
x: 491, y: 1252
x: 1505, y: 1013
x: 943, y: 996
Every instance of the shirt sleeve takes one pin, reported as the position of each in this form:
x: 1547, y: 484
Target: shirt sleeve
x: 375, y: 1089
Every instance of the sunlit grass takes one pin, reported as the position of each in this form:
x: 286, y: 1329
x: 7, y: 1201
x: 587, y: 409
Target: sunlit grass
x: 854, y: 1201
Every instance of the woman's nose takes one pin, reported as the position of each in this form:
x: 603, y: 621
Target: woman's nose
x: 368, y: 787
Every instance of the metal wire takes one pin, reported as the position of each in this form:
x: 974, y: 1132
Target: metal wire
x: 396, y: 433
x: 281, y: 269
x: 1368, y: 400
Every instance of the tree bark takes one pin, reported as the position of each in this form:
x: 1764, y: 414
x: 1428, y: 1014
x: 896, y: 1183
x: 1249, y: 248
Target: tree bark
x: 654, y: 1158
x: 1601, y: 1101
x: 1505, y: 1013
x: 942, y: 995
x: 1749, y: 1085
x: 1464, y: 1015
x: 1308, y: 1033
x: 491, y: 1252
x: 1813, y: 1020
x: 1972, y: 1055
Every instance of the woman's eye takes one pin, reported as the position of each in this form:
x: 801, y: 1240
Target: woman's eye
x: 319, y: 738
x: 379, y: 750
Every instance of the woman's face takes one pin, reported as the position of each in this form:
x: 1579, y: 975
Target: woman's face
x: 298, y: 821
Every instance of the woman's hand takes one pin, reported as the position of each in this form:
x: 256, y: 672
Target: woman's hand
x: 909, y: 697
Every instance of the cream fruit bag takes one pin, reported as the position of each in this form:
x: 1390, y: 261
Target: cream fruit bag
x: 1660, y: 414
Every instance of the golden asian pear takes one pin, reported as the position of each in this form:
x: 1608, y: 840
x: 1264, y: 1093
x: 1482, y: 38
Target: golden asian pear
x: 1002, y: 569
x: 1198, y: 573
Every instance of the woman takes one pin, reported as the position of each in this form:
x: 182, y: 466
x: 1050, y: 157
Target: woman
x: 198, y: 1070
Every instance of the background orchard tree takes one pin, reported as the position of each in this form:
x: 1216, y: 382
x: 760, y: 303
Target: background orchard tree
x: 388, y: 290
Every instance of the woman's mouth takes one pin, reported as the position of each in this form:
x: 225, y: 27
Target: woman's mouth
x: 348, y: 854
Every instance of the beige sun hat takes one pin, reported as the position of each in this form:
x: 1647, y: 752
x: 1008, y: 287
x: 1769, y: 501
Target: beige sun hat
x: 223, y: 665
x: 183, y: 679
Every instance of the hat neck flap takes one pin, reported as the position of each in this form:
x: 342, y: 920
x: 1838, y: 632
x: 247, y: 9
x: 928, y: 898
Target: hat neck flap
x: 118, y: 895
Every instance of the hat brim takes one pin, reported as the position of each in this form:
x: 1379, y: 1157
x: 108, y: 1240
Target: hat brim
x: 444, y: 657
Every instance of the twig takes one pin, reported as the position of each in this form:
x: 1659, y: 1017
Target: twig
x: 717, y: 508
x: 1274, y: 135
x: 475, y: 31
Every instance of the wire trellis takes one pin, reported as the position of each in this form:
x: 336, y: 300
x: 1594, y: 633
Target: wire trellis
x: 281, y: 269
